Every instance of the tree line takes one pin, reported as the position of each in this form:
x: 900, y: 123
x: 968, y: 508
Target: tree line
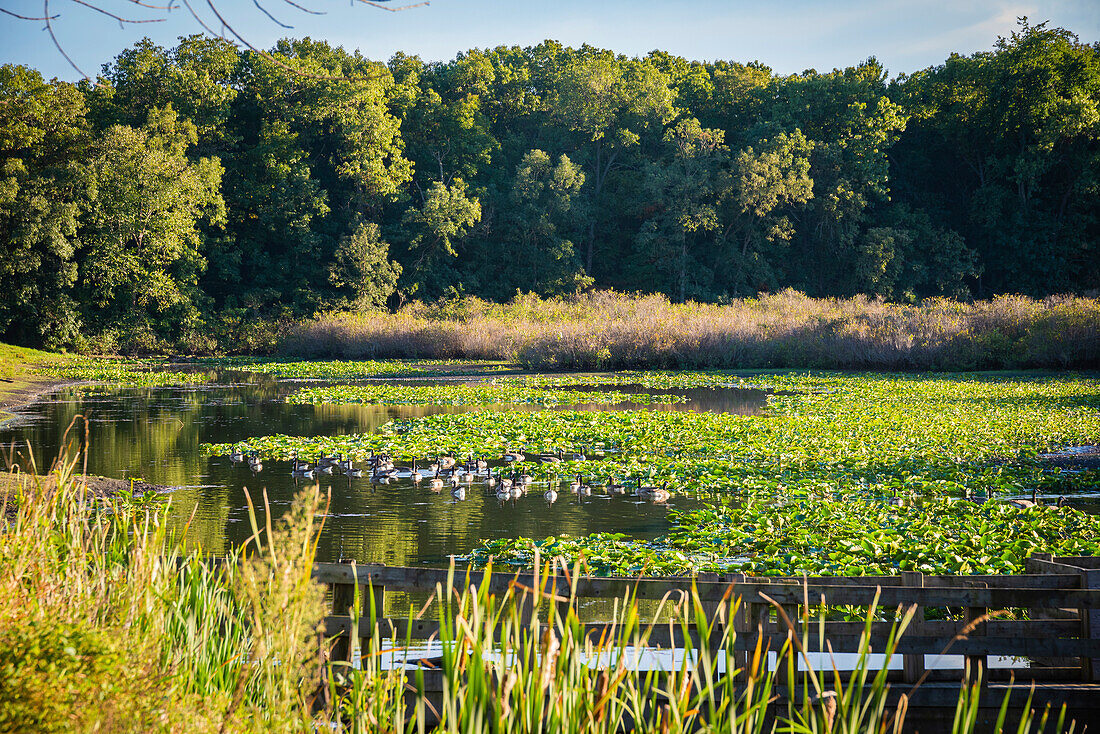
x: 203, y: 185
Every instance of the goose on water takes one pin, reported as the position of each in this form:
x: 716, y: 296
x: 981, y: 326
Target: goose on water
x: 615, y: 488
x: 459, y: 493
x: 511, y: 456
x: 301, y: 469
x: 1024, y: 504
x: 236, y: 455
x: 352, y: 471
x: 435, y: 483
x: 550, y: 496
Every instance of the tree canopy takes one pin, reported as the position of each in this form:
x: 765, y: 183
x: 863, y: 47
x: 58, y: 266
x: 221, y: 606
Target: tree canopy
x: 204, y: 183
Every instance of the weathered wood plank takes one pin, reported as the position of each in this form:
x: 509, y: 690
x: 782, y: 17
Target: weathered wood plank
x: 782, y: 593
x: 664, y: 636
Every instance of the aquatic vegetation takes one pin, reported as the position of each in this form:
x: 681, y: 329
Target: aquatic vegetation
x: 352, y: 369
x: 826, y: 537
x: 466, y: 394
x: 826, y: 443
x: 128, y: 372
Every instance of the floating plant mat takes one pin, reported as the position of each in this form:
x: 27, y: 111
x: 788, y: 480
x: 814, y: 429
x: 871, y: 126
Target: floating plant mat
x: 130, y: 373
x: 464, y: 394
x: 353, y: 369
x: 830, y: 538
x: 852, y: 442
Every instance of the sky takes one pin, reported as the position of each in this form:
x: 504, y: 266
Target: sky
x: 788, y: 35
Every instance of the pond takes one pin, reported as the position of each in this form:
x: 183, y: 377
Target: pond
x: 155, y: 434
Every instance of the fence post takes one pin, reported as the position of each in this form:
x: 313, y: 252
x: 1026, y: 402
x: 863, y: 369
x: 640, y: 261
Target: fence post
x: 978, y: 664
x: 343, y: 597
x: 1090, y: 626
x: 913, y: 663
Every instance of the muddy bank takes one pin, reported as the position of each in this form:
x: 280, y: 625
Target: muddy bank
x: 23, y: 392
x: 97, y: 486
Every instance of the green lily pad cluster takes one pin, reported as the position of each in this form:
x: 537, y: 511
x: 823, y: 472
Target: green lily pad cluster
x: 353, y: 369
x: 831, y: 538
x: 469, y: 394
x: 131, y: 373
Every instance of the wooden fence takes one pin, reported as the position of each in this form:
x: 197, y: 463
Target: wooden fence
x: 1059, y: 642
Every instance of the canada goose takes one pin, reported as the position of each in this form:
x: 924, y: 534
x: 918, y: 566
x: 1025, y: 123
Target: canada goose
x: 551, y: 458
x: 505, y: 482
x: 523, y: 479
x: 657, y: 494
x: 301, y: 469
x: 574, y: 456
x: 351, y: 471
x: 575, y: 486
x: 255, y: 464
x: 503, y: 494
x: 615, y: 488
x: 326, y: 469
x: 446, y: 462
x: 550, y: 496
x: 236, y: 456
x: 324, y: 461
x: 491, y: 480
x: 517, y: 492
x: 416, y: 476
x: 510, y: 456
x: 647, y: 491
x: 1024, y: 504
x: 254, y: 459
x: 435, y: 483
x: 1061, y: 502
x: 459, y: 493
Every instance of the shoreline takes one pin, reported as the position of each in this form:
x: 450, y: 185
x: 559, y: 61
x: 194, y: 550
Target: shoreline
x: 27, y: 393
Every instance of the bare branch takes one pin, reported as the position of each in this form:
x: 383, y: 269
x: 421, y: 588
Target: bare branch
x: 273, y: 19
x: 228, y: 32
x: 116, y: 17
x: 49, y: 29
x: 305, y: 9
x: 24, y: 17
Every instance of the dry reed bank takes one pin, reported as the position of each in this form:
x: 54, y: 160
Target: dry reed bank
x: 609, y: 330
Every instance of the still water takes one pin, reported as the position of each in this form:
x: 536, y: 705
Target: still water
x: 154, y: 434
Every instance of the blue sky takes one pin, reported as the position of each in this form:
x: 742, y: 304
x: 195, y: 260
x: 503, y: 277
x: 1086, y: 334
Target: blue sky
x: 789, y: 36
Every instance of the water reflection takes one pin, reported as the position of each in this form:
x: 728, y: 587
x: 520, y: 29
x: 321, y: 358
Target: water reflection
x: 154, y: 434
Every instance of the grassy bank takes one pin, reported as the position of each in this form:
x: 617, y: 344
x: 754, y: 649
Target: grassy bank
x: 23, y: 373
x: 607, y: 330
x: 110, y: 624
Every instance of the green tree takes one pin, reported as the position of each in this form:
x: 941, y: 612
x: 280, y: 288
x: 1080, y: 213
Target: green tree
x: 44, y: 186
x: 675, y: 248
x: 607, y: 105
x: 141, y: 268
x: 433, y: 234
x: 362, y: 272
x: 535, y: 255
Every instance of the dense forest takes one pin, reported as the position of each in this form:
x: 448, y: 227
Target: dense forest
x: 193, y: 189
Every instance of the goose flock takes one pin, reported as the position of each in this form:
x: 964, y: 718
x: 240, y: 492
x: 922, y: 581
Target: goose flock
x: 458, y: 477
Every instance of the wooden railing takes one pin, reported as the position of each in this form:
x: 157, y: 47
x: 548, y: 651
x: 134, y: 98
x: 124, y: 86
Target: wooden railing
x: 1061, y: 596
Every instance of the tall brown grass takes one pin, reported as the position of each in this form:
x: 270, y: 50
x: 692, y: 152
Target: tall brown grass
x: 609, y: 330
